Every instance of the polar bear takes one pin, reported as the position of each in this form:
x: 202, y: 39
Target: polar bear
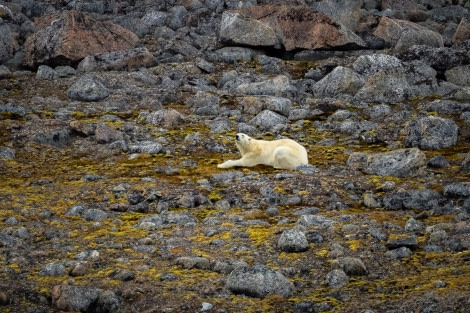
x: 282, y: 153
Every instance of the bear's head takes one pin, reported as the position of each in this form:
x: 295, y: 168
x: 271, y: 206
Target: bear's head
x: 243, y: 142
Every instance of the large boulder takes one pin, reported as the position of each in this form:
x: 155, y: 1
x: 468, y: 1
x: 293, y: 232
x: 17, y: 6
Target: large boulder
x: 88, y: 88
x: 401, y: 34
x: 72, y: 37
x: 259, y: 281
x: 341, y: 80
x: 431, y: 132
x: 399, y: 163
x: 291, y: 27
x: 74, y: 298
x: 463, y: 31
x: 7, y: 43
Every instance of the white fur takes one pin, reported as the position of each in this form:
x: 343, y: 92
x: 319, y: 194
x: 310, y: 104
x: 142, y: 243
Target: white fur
x: 282, y: 153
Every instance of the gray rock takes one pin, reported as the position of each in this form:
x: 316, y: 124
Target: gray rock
x: 440, y: 59
x: 314, y: 220
x: 149, y: 147
x: 193, y: 262
x: 238, y: 30
x: 268, y: 120
x: 259, y: 281
x: 53, y: 269
x: 438, y: 161
x: 76, y: 210
x: 378, y: 111
x: 166, y: 118
x: 225, y: 177
x: 351, y: 266
x: 46, y: 72
x: 7, y: 47
x: 413, y: 225
x: 465, y: 166
x: 57, y: 138
x: 377, y: 233
x: 256, y: 104
x: 10, y: 241
x: 74, y: 298
x: 233, y: 54
x: 227, y: 266
x: 105, y: 134
x: 459, y: 75
x: 107, y: 302
x: 457, y: 190
x: 7, y: 153
x: 389, y: 86
x: 88, y: 88
x: 341, y: 81
x: 447, y: 107
x: 277, y: 86
x: 399, y: 163
x: 406, y: 241
x: 399, y: 253
x: 369, y: 65
x: 431, y: 132
x: 293, y: 240
x: 336, y: 279
x: 122, y: 275
x: 418, y: 199
x: 65, y: 71
x: 177, y: 17
x: 22, y: 233
x: 95, y: 215
x: 118, y: 60
x: 155, y: 18
x: 204, y: 103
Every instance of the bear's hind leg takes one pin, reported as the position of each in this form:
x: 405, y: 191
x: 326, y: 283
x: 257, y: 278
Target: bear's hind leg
x: 285, y: 158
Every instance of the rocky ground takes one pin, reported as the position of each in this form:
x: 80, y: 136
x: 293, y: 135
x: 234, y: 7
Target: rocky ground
x: 114, y: 116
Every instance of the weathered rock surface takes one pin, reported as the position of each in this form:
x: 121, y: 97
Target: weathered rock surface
x: 259, y: 281
x: 286, y: 26
x: 52, y: 44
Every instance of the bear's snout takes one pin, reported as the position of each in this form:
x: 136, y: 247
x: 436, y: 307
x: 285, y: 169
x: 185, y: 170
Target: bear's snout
x: 237, y: 137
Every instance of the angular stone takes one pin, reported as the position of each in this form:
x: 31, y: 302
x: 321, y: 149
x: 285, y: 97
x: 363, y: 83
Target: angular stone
x: 399, y: 163
x: 295, y: 27
x: 72, y: 37
x: 401, y: 34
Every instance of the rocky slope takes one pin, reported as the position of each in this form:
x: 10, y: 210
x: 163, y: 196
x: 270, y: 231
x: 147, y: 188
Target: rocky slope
x: 115, y: 114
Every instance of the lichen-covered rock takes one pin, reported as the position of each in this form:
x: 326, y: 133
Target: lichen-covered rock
x: 368, y: 65
x: 293, y: 240
x: 259, y: 281
x: 401, y: 34
x: 166, y: 118
x: 51, y: 45
x: 256, y: 104
x: 341, y: 81
x: 268, y: 120
x: 290, y: 27
x: 351, y: 266
x: 336, y: 278
x: 88, y: 88
x: 74, y: 298
x: 419, y: 199
x: 400, y: 163
x: 459, y: 75
x: 431, y: 132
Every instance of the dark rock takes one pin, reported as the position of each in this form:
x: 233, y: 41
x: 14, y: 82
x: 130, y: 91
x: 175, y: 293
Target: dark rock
x: 122, y: 275
x: 406, y: 241
x: 418, y: 199
x: 438, y: 161
x: 351, y: 266
x: 7, y: 153
x: 457, y: 190
x: 58, y: 138
x: 107, y: 302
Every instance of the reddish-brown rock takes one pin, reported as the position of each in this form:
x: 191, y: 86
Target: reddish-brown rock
x: 72, y: 37
x: 463, y: 31
x: 298, y: 27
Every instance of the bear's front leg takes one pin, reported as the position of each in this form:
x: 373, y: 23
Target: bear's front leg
x: 227, y: 164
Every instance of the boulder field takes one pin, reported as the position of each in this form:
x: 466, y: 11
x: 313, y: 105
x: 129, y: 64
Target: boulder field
x: 115, y: 114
